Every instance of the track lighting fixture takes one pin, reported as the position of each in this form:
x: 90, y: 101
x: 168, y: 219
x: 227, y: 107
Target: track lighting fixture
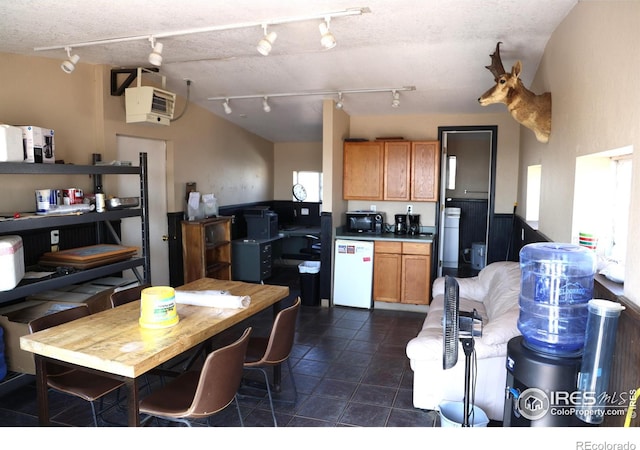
x: 266, y: 43
x: 227, y: 108
x: 70, y: 64
x: 264, y: 46
x: 396, y: 99
x: 155, y: 57
x: 327, y: 40
x: 339, y: 104
x: 265, y: 105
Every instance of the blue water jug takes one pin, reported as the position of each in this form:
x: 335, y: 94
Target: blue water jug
x: 555, y: 288
x: 3, y: 364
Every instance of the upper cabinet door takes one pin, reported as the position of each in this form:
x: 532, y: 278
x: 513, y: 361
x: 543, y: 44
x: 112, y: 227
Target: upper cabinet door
x: 397, y: 164
x: 363, y: 170
x: 425, y: 163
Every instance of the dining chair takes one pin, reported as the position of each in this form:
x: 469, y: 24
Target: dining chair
x: 127, y: 295
x: 275, y: 349
x: 76, y: 382
x: 201, y: 394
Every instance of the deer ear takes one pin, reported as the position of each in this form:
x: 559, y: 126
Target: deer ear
x: 517, y: 68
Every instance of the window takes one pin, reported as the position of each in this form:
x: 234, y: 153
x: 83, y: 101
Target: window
x: 451, y: 172
x: 534, y: 177
x: 602, y: 208
x: 312, y: 182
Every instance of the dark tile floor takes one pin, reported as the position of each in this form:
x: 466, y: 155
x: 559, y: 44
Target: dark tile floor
x: 349, y: 366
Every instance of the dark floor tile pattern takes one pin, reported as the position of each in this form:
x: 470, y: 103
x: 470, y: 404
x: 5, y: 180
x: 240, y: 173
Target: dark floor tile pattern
x: 349, y: 365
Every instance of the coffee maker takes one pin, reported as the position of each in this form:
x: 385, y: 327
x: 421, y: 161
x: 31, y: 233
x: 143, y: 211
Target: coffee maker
x: 401, y: 224
x: 414, y: 224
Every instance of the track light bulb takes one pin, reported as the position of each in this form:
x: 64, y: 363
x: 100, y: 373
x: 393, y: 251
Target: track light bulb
x: 266, y: 43
x: 327, y: 40
x: 70, y: 64
x: 396, y: 99
x: 340, y: 103
x: 265, y: 105
x: 155, y: 57
x: 227, y: 108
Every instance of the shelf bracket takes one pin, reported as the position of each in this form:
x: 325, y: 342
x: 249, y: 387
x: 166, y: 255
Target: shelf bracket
x: 132, y: 73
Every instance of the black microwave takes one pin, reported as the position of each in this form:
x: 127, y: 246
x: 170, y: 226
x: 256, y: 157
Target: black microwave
x: 365, y: 221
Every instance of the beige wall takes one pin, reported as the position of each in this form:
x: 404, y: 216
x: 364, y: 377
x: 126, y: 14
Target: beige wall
x: 591, y: 68
x: 235, y: 165
x: 290, y: 156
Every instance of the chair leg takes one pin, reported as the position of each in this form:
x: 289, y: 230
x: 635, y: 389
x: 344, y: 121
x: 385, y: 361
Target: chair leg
x: 293, y: 383
x: 235, y: 399
x: 268, y: 387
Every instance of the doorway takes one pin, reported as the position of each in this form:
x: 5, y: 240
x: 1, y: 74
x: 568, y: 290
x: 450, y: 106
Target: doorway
x: 467, y: 188
x: 129, y: 149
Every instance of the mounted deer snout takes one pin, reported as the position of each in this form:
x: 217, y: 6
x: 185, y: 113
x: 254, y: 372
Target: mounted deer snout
x: 530, y: 110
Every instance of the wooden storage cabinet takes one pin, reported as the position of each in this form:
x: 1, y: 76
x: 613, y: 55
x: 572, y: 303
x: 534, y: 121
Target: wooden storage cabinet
x: 402, y: 272
x: 206, y: 249
x: 391, y: 170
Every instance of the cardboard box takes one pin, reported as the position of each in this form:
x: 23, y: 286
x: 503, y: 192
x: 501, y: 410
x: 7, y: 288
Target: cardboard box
x: 11, y: 147
x: 14, y: 320
x: 97, y: 298
x: 39, y: 144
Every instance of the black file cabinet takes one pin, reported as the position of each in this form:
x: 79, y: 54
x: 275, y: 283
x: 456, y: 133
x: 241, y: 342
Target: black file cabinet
x: 251, y: 259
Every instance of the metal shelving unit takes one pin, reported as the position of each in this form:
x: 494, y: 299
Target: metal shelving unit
x: 100, y: 219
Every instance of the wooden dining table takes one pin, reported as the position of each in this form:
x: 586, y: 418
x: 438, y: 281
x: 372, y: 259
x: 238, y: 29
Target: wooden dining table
x: 112, y: 342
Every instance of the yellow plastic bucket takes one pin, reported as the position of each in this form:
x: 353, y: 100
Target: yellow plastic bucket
x: 158, y: 307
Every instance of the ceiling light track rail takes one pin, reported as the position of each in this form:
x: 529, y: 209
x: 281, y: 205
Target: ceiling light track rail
x: 326, y: 17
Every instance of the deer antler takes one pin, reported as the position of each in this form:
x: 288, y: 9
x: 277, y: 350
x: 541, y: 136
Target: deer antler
x: 496, y: 67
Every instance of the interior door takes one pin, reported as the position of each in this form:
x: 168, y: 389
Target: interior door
x: 449, y: 138
x: 129, y: 149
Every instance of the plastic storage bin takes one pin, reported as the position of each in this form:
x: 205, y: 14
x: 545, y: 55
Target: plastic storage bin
x: 309, y: 283
x: 556, y: 285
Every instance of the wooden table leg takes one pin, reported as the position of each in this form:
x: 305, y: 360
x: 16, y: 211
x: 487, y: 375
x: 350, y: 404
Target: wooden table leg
x: 133, y: 411
x: 42, y: 390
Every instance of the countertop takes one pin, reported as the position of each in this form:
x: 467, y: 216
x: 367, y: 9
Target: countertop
x: 427, y: 235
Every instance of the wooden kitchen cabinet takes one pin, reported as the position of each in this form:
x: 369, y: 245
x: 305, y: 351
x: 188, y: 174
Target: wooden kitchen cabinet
x: 425, y: 164
x: 391, y: 170
x: 363, y: 170
x: 397, y: 170
x: 206, y: 248
x: 402, y: 272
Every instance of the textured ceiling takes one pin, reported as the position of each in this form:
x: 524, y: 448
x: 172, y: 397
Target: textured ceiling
x: 438, y: 46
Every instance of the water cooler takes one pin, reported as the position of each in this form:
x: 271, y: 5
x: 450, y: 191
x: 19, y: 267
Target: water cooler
x: 567, y: 339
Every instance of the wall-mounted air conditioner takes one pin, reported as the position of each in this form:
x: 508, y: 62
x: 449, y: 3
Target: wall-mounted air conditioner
x: 149, y: 104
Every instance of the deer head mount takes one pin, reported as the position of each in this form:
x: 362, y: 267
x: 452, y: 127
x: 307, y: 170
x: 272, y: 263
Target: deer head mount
x: 531, y: 110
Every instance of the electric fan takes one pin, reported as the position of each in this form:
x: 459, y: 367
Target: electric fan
x: 463, y: 326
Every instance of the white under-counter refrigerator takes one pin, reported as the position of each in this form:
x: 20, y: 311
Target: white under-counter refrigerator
x: 353, y: 273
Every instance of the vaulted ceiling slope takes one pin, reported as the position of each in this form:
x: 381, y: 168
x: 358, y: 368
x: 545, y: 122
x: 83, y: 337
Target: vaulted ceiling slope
x: 439, y: 46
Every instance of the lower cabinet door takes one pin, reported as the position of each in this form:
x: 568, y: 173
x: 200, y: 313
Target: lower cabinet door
x: 386, y: 277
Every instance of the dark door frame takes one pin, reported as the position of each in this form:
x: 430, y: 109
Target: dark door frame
x: 492, y: 187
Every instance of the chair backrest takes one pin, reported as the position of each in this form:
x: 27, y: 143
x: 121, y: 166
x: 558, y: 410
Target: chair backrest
x: 127, y: 295
x: 220, y: 378
x: 52, y: 320
x: 282, y: 335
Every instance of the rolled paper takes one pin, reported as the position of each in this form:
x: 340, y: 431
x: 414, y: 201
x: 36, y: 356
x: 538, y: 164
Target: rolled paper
x: 215, y: 299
